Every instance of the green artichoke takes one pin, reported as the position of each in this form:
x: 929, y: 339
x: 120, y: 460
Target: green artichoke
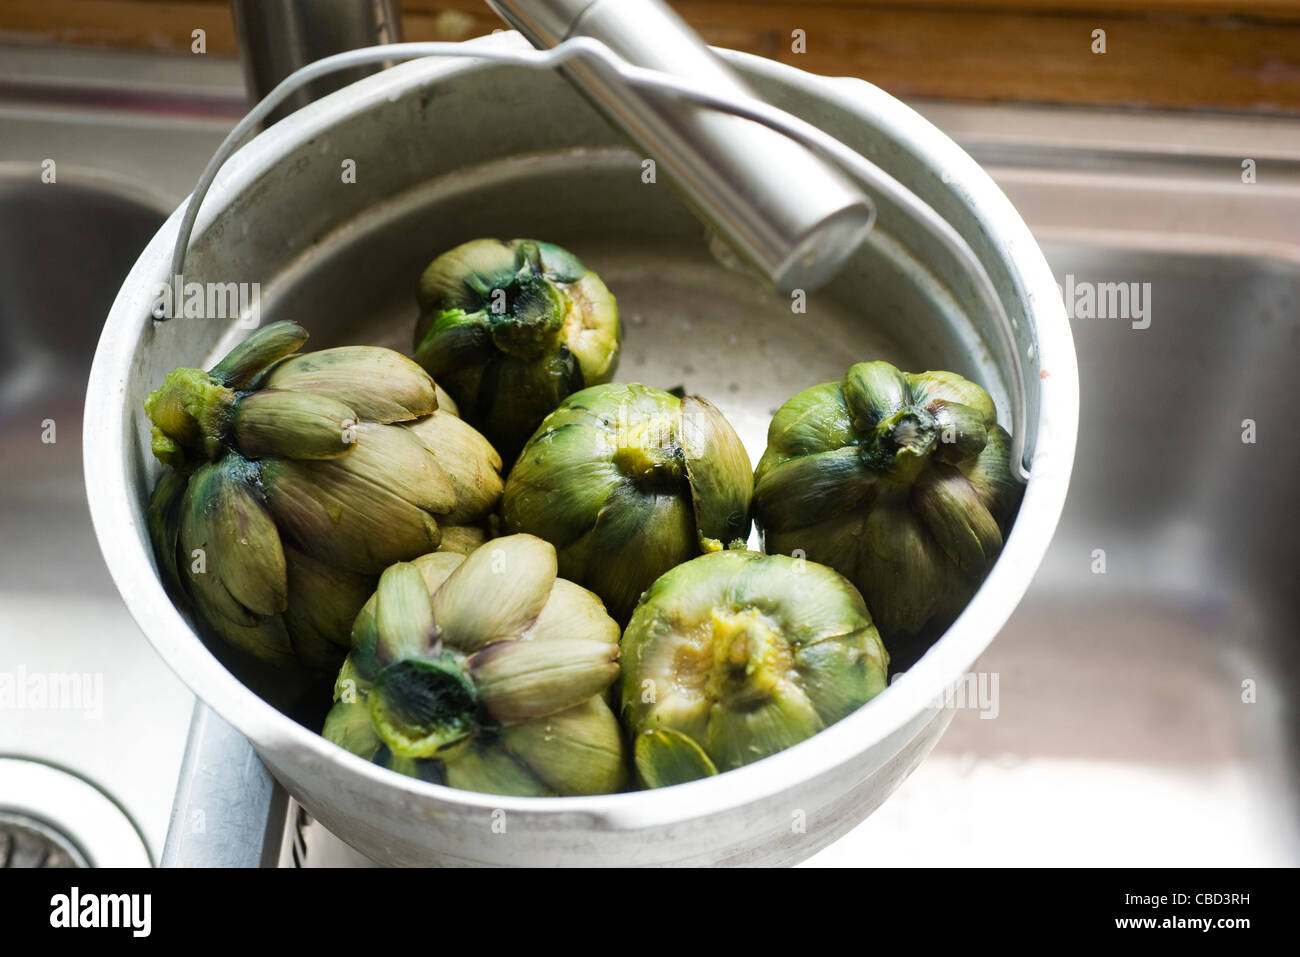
x: 510, y: 329
x: 294, y: 480
x: 484, y: 673
x: 734, y: 656
x: 627, y: 481
x: 902, y: 482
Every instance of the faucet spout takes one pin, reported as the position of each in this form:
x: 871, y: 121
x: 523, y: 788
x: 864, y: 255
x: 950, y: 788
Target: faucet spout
x: 276, y: 37
x: 786, y: 211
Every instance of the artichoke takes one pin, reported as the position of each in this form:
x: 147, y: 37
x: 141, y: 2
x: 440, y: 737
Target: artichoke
x: 627, y: 481
x: 510, y: 329
x: 295, y: 479
x: 734, y: 656
x: 902, y: 482
x: 485, y: 673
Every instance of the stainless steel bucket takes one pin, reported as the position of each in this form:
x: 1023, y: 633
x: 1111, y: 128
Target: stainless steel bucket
x: 447, y: 150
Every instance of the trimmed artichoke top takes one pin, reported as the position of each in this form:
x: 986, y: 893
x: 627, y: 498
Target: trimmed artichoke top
x: 510, y: 329
x: 485, y: 673
x: 297, y: 478
x: 627, y: 481
x: 734, y: 656
x: 902, y: 482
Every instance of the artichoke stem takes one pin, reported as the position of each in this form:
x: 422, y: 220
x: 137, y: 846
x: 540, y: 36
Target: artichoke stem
x: 526, y: 315
x: 900, y: 445
x: 188, y: 411
x: 422, y: 706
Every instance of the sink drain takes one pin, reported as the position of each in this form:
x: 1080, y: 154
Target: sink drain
x: 50, y: 818
x: 26, y: 842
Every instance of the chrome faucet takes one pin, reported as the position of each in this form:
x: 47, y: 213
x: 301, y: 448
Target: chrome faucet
x: 277, y: 37
x: 788, y: 213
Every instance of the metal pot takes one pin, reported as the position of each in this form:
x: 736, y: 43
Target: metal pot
x: 445, y: 151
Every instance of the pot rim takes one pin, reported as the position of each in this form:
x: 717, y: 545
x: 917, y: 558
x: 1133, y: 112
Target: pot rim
x: 109, y: 435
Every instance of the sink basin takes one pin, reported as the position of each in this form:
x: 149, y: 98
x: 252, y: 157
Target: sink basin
x: 89, y: 694
x: 92, y: 723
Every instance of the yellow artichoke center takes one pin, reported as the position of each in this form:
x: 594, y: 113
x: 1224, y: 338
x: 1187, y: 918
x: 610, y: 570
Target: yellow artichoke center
x: 750, y: 658
x: 649, y: 451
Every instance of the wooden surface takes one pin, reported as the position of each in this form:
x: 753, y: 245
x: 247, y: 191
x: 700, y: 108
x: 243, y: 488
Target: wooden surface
x: 1166, y: 53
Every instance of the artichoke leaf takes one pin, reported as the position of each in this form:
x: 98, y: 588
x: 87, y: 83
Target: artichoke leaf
x: 811, y: 488
x: 403, y: 615
x: 323, y: 598
x: 256, y: 353
x: 992, y: 478
x: 366, y: 510
x: 846, y: 670
x: 348, y: 725
x: 489, y: 769
x: 838, y: 541
x: 961, y: 429
x: 558, y: 486
x: 575, y: 751
x: 266, y: 639
x: 380, y: 385
x: 591, y: 328
x: 900, y: 569
x: 463, y: 539
x: 461, y: 276
x: 315, y: 651
x: 740, y: 736
x: 163, y: 519
x: 806, y: 601
x: 469, y: 460
x: 436, y: 567
x: 815, y: 420
x: 557, y: 262
x: 638, y: 536
x: 572, y: 611
x: 718, y: 468
x: 516, y: 395
x: 956, y: 517
x: 874, y: 391
x: 665, y: 757
x: 452, y: 340
x: 296, y: 425
x: 519, y: 680
x: 232, y: 548
x: 518, y: 571
x: 927, y: 387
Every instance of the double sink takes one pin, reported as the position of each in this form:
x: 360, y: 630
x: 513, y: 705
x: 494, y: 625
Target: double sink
x: 1137, y: 709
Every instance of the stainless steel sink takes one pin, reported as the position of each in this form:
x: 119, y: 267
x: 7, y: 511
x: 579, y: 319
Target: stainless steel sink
x: 92, y: 724
x: 1144, y: 714
x: 87, y: 692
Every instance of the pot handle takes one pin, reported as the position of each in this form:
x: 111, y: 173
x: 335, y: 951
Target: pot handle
x: 228, y: 811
